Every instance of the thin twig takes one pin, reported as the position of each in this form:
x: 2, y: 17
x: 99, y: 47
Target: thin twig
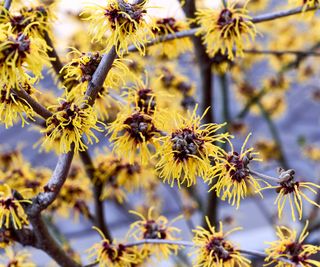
x: 225, y: 98
x: 7, y: 4
x: 256, y: 20
x: 250, y: 103
x: 275, y: 135
x: 52, y: 189
x: 52, y: 53
x: 189, y: 244
x: 100, y: 75
x: 159, y: 242
x: 282, y: 52
x: 263, y: 176
x: 97, y: 189
x: 36, y: 106
x: 45, y: 242
x: 281, y: 14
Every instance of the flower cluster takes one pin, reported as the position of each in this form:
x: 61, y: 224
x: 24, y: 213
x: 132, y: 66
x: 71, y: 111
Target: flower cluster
x: 187, y: 150
x: 13, y: 107
x: 20, y: 53
x: 171, y: 49
x: 11, y: 210
x: 70, y: 120
x: 18, y: 259
x: 215, y: 250
x: 122, y: 22
x: 225, y: 29
x: 157, y: 228
x: 290, y: 247
x: 234, y: 180
x: 34, y: 20
x: 289, y: 188
x: 118, y: 176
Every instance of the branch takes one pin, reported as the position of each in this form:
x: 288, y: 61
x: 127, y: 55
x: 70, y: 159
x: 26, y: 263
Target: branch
x: 52, y: 189
x: 191, y: 244
x: 23, y: 236
x: 262, y: 92
x: 37, y: 107
x: 97, y: 190
x: 52, y: 53
x: 281, y: 14
x: 250, y: 103
x: 263, y: 176
x: 282, y: 52
x: 256, y: 20
x: 160, y: 241
x: 45, y: 242
x: 100, y: 75
x: 275, y: 135
x: 7, y: 4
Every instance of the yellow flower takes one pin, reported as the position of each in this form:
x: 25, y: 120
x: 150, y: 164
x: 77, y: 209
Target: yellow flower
x: 213, y: 250
x: 11, y: 211
x: 306, y: 3
x: 69, y: 122
x: 78, y: 73
x: 20, y: 53
x: 187, y: 150
x: 225, y: 29
x: 174, y: 48
x: 289, y: 188
x: 234, y: 181
x: 258, y: 5
x: 268, y: 149
x: 312, y: 152
x: 13, y: 108
x: 117, y: 174
x: 6, y: 238
x: 19, y: 175
x: 290, y: 247
x: 179, y: 90
x: 32, y: 20
x: 113, y: 254
x: 124, y: 23
x: 146, y: 97
x: 132, y: 133
x: 18, y: 259
x: 278, y: 83
x: 158, y: 228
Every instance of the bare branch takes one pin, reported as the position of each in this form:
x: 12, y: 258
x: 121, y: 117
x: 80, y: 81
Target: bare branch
x: 36, y: 106
x: 23, y: 236
x: 47, y: 243
x: 52, y: 53
x: 100, y: 75
x: 7, y: 4
x: 263, y: 176
x: 283, y: 52
x: 97, y: 190
x: 256, y: 20
x: 275, y: 135
x: 52, y: 189
x: 281, y: 14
